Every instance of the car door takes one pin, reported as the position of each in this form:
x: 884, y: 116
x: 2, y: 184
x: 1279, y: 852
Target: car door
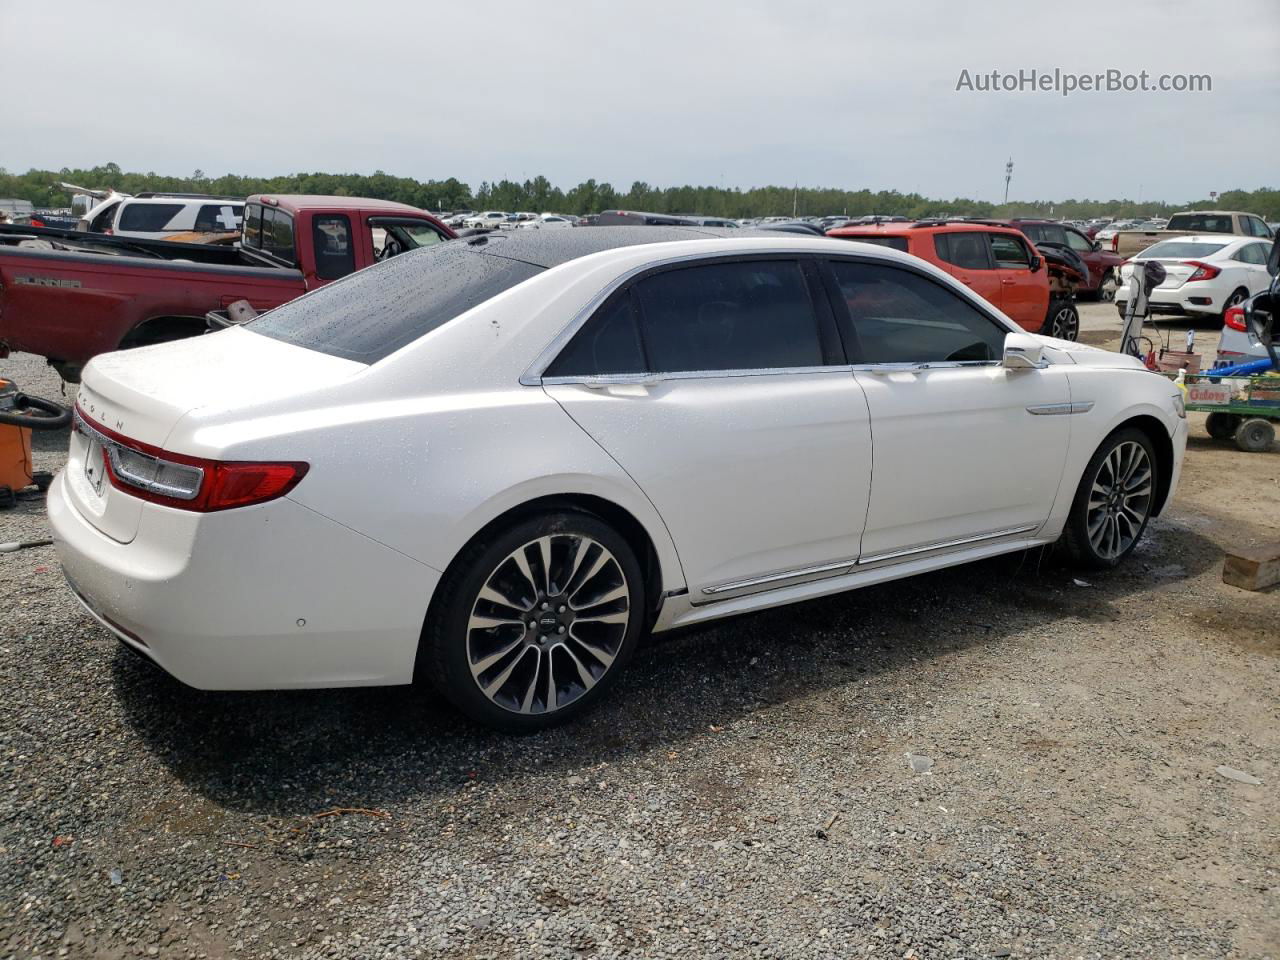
x: 1253, y: 256
x: 966, y: 450
x: 966, y: 255
x: 1024, y: 293
x: 721, y: 388
x: 1082, y: 245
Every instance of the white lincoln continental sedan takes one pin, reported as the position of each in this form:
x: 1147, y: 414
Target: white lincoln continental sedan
x: 494, y: 464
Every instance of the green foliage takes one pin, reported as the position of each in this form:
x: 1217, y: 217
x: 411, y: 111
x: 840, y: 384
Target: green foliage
x: 538, y: 194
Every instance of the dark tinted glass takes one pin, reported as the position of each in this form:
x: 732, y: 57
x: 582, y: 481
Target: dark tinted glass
x: 277, y: 234
x: 729, y: 316
x: 217, y: 218
x: 893, y: 243
x: 607, y: 344
x: 1010, y: 253
x: 253, y: 225
x: 1079, y: 242
x: 335, y: 254
x: 374, y: 312
x: 968, y: 250
x: 902, y: 317
x: 147, y: 217
x: 1202, y: 222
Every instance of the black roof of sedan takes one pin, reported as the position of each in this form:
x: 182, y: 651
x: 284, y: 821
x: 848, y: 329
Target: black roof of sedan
x: 550, y: 248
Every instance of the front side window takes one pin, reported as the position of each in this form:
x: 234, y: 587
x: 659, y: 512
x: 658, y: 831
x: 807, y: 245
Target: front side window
x: 1079, y: 242
x: 1010, y: 253
x: 147, y: 217
x: 967, y: 250
x: 746, y: 315
x: 252, y: 226
x: 902, y: 317
x: 331, y: 237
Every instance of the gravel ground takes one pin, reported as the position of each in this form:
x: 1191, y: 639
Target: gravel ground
x: 990, y: 761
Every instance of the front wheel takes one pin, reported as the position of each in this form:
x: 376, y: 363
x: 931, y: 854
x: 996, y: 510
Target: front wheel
x: 535, y: 622
x: 1114, y: 501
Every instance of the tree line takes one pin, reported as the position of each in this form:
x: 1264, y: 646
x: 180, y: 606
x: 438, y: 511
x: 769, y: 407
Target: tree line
x: 539, y: 195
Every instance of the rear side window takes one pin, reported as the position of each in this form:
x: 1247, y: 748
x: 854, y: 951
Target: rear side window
x: 217, y: 218
x: 147, y: 217
x: 609, y: 343
x: 902, y: 317
x: 747, y: 315
x: 968, y: 250
x: 335, y: 254
x: 372, y: 313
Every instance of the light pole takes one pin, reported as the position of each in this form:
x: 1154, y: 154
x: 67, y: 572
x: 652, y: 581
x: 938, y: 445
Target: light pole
x: 1008, y: 175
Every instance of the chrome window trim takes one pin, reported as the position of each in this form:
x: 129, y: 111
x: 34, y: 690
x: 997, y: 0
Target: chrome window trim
x: 532, y: 376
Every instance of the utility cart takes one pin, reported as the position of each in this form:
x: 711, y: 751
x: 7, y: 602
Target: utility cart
x: 1243, y: 409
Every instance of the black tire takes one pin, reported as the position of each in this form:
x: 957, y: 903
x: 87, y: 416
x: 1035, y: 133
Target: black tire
x: 1076, y: 539
x: 444, y: 651
x: 1255, y: 435
x: 1221, y: 426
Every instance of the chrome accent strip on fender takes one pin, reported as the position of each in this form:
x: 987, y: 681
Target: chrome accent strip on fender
x: 1060, y: 409
x: 947, y: 544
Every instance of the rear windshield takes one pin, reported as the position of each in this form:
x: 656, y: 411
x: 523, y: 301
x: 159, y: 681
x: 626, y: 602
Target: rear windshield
x: 1177, y: 249
x: 374, y: 312
x: 1202, y: 222
x: 894, y: 243
x: 147, y: 217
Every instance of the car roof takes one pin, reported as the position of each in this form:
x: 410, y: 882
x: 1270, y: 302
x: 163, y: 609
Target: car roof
x: 306, y: 201
x: 553, y: 247
x: 916, y: 229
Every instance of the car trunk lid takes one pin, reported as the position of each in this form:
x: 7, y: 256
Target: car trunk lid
x: 141, y: 394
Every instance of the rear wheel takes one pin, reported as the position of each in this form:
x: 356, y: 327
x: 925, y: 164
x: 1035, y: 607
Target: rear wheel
x: 1221, y: 426
x: 1255, y: 435
x: 1064, y: 320
x: 535, y: 622
x: 1113, y: 502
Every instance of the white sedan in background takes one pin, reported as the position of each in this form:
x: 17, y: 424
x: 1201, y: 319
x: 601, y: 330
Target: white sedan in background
x: 490, y: 219
x: 1204, y: 275
x: 552, y: 221
x: 493, y: 464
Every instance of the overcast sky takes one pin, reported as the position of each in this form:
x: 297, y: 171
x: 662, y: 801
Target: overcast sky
x: 732, y: 92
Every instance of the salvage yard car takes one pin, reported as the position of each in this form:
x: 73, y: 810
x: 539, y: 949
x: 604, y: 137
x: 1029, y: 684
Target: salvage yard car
x: 1126, y: 243
x: 495, y: 463
x: 68, y: 295
x: 1205, y: 276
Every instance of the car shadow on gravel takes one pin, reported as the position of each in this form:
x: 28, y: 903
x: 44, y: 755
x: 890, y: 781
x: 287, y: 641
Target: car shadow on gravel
x: 294, y: 753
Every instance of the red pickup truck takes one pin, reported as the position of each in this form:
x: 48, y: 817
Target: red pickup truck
x: 68, y: 296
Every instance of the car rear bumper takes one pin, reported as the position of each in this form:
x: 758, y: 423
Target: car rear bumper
x: 264, y: 597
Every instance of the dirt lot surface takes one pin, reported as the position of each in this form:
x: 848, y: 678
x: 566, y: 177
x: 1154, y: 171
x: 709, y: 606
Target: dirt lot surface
x: 1004, y: 759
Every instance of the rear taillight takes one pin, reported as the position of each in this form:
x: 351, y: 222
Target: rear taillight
x: 1234, y: 319
x: 1202, y: 272
x: 188, y: 483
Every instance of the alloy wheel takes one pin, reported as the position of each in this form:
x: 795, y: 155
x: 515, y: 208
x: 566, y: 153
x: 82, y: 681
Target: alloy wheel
x: 1066, y: 323
x: 548, y: 623
x: 1120, y: 500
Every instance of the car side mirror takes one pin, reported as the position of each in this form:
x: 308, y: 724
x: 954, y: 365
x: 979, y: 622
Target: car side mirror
x: 1022, y: 351
x: 1035, y: 263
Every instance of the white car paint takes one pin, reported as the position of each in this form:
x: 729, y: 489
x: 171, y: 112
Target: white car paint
x: 755, y: 488
x: 1240, y: 262
x: 489, y: 218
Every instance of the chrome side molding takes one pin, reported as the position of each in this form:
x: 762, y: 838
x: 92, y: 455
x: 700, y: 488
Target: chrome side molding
x: 1060, y: 409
